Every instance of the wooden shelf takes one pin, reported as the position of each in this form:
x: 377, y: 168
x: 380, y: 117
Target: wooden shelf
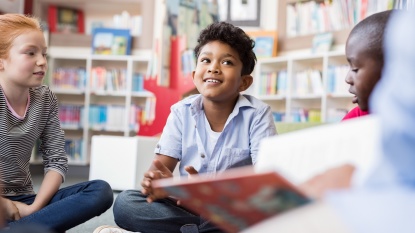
x: 306, y: 42
x: 300, y: 42
x: 83, y: 40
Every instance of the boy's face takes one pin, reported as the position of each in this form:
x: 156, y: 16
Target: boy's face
x: 26, y: 63
x: 365, y: 71
x: 218, y: 73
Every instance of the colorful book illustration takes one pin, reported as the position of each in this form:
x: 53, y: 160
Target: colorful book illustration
x: 237, y: 198
x: 111, y: 41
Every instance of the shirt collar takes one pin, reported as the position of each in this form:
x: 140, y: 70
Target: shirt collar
x: 196, y: 103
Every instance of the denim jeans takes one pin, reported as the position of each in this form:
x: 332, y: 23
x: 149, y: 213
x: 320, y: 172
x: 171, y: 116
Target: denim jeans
x: 132, y: 212
x: 69, y: 207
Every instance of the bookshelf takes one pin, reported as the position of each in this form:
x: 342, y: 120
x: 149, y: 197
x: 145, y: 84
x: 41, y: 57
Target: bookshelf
x: 118, y: 106
x: 306, y: 88
x: 114, y: 107
x: 299, y: 21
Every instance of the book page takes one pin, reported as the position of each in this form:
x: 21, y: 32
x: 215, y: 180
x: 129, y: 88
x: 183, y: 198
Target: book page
x: 300, y: 155
x: 235, y: 199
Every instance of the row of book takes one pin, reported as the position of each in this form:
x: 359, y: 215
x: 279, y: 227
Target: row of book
x: 336, y: 83
x: 105, y: 117
x: 306, y: 115
x: 73, y: 149
x: 278, y: 116
x: 70, y: 116
x: 273, y: 83
x: 314, y: 115
x: 311, y: 115
x: 102, y: 79
x: 307, y: 82
x: 313, y: 17
x: 69, y: 78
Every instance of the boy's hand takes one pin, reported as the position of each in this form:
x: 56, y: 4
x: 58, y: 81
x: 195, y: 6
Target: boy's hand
x: 335, y: 178
x: 191, y: 171
x: 160, y: 172
x: 11, y: 212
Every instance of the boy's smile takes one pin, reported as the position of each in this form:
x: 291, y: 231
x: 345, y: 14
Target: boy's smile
x: 218, y: 72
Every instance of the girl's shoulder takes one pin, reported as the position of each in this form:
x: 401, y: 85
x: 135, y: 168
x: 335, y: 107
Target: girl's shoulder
x: 41, y: 90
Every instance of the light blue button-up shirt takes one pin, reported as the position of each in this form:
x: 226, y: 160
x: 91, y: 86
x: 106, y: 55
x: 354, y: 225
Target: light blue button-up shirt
x: 185, y: 135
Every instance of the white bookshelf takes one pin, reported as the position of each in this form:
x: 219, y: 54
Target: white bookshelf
x: 87, y: 97
x: 289, y: 99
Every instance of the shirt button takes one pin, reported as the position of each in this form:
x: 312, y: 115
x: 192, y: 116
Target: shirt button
x: 158, y: 146
x: 202, y: 155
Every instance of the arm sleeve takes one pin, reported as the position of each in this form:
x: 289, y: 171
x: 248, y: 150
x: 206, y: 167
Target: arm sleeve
x: 53, y: 142
x: 262, y: 127
x: 170, y: 142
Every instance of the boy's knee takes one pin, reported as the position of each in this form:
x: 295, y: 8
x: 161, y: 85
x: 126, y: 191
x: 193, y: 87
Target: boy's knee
x: 123, y: 200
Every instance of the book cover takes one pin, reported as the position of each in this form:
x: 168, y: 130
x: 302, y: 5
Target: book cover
x: 235, y: 199
x: 109, y: 41
x: 65, y: 19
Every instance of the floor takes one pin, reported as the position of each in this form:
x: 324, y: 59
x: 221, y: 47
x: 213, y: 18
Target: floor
x: 106, y: 218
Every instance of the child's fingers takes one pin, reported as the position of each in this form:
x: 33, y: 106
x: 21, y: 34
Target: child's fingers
x: 191, y: 170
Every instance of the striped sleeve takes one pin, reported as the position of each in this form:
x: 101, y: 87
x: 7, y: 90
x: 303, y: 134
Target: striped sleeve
x: 53, y: 140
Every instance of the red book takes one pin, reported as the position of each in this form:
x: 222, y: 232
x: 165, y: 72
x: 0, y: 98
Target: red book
x: 235, y: 199
x: 64, y: 19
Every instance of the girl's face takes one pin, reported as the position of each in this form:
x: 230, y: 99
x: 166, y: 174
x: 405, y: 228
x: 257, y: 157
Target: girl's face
x: 26, y: 63
x: 218, y: 73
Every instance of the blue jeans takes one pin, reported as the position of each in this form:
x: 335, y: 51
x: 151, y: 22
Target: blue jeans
x: 69, y: 207
x: 132, y: 212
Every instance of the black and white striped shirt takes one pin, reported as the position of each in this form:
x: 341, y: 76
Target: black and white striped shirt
x: 18, y: 137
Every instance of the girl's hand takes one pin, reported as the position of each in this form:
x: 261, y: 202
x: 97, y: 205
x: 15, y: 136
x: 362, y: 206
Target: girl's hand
x: 11, y: 211
x: 24, y: 209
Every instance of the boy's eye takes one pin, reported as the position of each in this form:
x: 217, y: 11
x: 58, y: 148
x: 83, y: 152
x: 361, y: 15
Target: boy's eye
x: 31, y: 53
x: 227, y: 62
x: 204, y: 60
x: 44, y: 54
x: 354, y: 70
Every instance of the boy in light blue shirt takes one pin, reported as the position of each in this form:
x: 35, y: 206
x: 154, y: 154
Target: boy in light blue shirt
x: 210, y: 132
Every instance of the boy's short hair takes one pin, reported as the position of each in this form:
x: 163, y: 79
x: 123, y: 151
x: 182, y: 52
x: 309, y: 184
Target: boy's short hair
x: 235, y: 37
x: 371, y: 31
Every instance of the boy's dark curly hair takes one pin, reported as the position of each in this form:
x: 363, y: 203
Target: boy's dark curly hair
x: 234, y: 37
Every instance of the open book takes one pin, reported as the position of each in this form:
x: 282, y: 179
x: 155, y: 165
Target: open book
x: 235, y: 199
x: 239, y: 198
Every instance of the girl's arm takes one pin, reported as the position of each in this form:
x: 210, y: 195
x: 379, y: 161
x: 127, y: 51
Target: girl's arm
x: 48, y: 188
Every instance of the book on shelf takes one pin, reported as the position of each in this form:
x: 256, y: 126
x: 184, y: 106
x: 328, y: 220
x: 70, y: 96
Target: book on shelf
x: 65, y: 19
x: 239, y: 198
x: 111, y: 41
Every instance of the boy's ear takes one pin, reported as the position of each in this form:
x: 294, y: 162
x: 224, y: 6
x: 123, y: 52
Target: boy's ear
x: 247, y: 81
